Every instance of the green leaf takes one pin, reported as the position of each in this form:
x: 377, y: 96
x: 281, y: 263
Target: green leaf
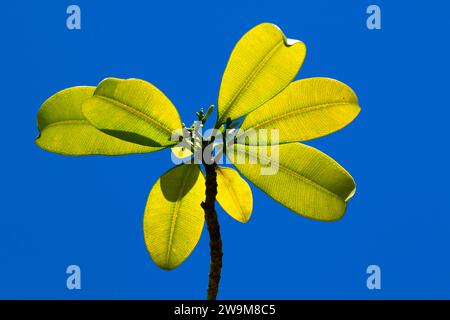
x: 133, y: 110
x: 234, y: 194
x: 305, y: 110
x: 174, y: 219
x: 306, y: 180
x: 64, y: 130
x: 262, y: 64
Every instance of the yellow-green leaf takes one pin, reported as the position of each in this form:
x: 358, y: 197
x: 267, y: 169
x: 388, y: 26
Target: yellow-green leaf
x: 133, y: 110
x: 64, y: 130
x: 305, y: 110
x: 174, y: 219
x: 181, y: 152
x: 306, y: 180
x: 262, y: 63
x: 234, y: 194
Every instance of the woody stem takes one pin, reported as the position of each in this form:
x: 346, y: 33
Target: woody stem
x: 215, y: 241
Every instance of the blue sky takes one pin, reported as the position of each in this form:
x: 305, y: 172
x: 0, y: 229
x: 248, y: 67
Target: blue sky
x: 57, y: 211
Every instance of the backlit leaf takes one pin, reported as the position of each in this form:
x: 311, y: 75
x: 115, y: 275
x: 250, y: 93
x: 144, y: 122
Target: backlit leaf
x: 174, y: 219
x: 262, y: 63
x: 305, y: 110
x: 305, y: 180
x: 133, y: 110
x: 181, y: 152
x: 64, y: 130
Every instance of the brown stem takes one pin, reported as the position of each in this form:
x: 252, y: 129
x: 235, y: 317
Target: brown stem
x: 215, y: 241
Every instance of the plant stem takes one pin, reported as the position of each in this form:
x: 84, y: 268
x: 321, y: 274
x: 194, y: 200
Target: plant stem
x: 215, y: 241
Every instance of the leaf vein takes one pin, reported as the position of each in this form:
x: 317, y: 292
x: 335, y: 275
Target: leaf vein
x: 176, y: 210
x: 135, y: 112
x: 252, y: 76
x: 299, y: 176
x: 233, y: 194
x: 300, y: 111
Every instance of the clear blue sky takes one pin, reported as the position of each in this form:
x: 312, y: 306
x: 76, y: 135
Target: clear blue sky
x: 56, y: 211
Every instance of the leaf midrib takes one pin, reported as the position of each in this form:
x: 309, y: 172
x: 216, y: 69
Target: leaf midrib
x: 135, y: 112
x: 304, y: 179
x: 233, y: 195
x: 256, y: 70
x: 176, y: 210
x: 64, y: 122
